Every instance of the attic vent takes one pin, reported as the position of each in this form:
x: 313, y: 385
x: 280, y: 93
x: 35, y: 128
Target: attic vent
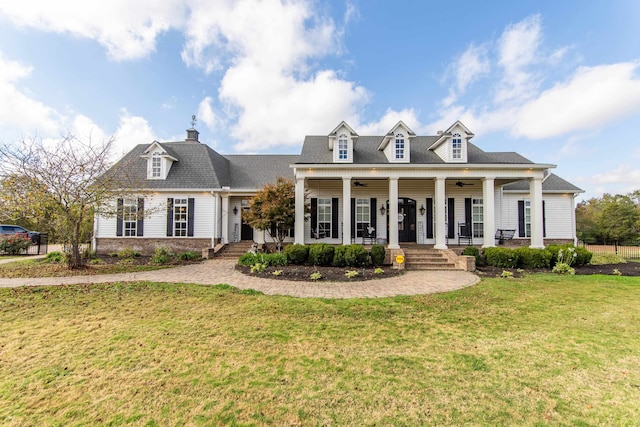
x: 440, y: 132
x: 192, y: 135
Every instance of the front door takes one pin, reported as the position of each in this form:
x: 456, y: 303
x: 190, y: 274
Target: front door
x: 406, y: 220
x: 246, y: 232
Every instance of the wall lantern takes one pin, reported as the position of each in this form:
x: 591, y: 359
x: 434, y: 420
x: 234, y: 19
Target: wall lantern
x: 422, y: 210
x: 235, y: 210
x: 382, y: 210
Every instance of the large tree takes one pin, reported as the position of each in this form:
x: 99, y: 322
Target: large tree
x: 273, y: 209
x: 63, y: 180
x: 609, y: 218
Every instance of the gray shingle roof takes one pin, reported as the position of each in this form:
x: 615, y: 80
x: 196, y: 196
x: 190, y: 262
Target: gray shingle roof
x: 553, y: 183
x: 255, y: 171
x: 315, y: 150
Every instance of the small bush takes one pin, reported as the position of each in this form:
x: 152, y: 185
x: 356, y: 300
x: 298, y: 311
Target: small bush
x: 13, y: 244
x: 274, y: 260
x: 315, y: 275
x: 127, y: 253
x: 351, y: 274
x: 247, y: 259
x: 563, y: 268
x: 277, y: 273
x: 258, y: 267
x: 616, y: 272
x: 377, y: 254
x: 296, y: 254
x: 501, y: 257
x: 506, y: 274
x: 378, y: 271
x: 607, y: 258
x: 161, y: 255
x: 583, y: 256
x: 321, y: 254
x: 472, y: 251
x: 55, y: 257
x: 533, y: 258
x: 356, y: 256
x: 189, y: 256
x: 338, y: 256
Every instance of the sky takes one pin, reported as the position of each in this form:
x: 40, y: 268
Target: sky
x: 556, y: 81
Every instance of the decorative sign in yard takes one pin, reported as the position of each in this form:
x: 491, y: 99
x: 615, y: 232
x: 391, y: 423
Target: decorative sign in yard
x: 399, y: 259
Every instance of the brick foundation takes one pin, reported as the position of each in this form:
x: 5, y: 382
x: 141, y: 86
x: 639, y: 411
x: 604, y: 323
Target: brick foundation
x: 148, y: 246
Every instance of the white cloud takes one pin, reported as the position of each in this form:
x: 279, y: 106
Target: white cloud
x: 132, y: 130
x: 470, y: 66
x: 391, y: 117
x: 624, y: 179
x: 205, y: 113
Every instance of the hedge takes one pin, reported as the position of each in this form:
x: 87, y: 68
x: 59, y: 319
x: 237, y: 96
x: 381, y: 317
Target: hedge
x: 321, y: 254
x: 297, y: 254
x: 377, y: 255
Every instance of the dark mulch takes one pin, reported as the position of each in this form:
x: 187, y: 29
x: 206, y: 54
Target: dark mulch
x: 331, y: 274
x: 627, y: 269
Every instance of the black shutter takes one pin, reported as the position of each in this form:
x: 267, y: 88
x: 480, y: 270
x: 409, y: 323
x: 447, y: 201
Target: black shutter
x: 140, y: 225
x: 190, y: 205
x: 273, y: 231
x: 521, y: 228
x: 292, y: 230
x: 373, y: 206
x: 467, y: 213
x: 429, y: 218
x: 314, y: 215
x: 334, y: 218
x: 169, y: 217
x: 353, y: 217
x: 544, y: 221
x: 451, y: 217
x: 119, y: 215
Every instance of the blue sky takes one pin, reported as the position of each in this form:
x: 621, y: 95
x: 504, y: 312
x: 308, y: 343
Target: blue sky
x: 558, y: 82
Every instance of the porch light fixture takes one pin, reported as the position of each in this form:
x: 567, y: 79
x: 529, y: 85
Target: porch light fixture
x: 382, y: 210
x: 235, y: 210
x: 422, y: 210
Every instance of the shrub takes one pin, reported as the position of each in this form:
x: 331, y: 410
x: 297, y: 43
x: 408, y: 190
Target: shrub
x: 356, y: 256
x: 583, y: 256
x: 607, y: 258
x: 321, y: 254
x: 248, y: 259
x: 472, y: 251
x: 277, y: 273
x: 127, y: 253
x: 316, y: 275
x: 273, y: 260
x: 506, y: 274
x: 501, y: 257
x: 258, y: 267
x: 378, y: 271
x: 533, y: 258
x: 189, y: 256
x: 13, y: 244
x: 55, y: 257
x: 338, y: 256
x: 351, y: 274
x: 161, y: 255
x: 563, y: 268
x: 297, y: 254
x: 377, y: 254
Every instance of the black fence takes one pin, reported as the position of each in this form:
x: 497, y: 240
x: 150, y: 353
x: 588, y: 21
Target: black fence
x: 40, y: 247
x: 628, y: 250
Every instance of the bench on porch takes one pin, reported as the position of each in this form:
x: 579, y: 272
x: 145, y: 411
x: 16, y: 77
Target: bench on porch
x: 317, y: 234
x: 502, y: 235
x: 465, y: 233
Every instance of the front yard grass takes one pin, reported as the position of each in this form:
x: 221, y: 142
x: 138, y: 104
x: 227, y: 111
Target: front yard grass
x: 40, y: 268
x: 541, y: 350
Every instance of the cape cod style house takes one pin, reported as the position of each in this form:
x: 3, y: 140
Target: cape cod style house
x: 396, y: 188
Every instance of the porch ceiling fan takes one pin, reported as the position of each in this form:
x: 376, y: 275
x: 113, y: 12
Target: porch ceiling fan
x: 359, y: 184
x: 462, y: 184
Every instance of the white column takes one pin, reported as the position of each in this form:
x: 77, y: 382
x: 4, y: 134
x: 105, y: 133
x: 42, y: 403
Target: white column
x: 224, y: 219
x: 299, y: 225
x: 216, y: 209
x: 535, y: 190
x: 393, y: 213
x: 489, y: 212
x: 441, y: 220
x: 346, y: 211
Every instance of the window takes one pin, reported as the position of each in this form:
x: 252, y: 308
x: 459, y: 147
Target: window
x: 527, y: 218
x: 156, y: 163
x: 456, y: 146
x: 477, y: 217
x: 399, y: 146
x: 130, y: 216
x: 343, y: 153
x: 363, y: 216
x: 324, y: 217
x: 180, y: 217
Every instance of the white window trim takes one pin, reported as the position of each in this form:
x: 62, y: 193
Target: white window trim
x: 456, y: 152
x: 180, y: 217
x: 399, y: 138
x: 130, y: 216
x: 527, y: 215
x: 477, y: 224
x: 363, y: 215
x: 326, y: 205
x: 343, y: 148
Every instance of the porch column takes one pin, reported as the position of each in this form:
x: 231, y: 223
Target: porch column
x: 224, y: 218
x: 488, y: 212
x: 346, y: 211
x: 441, y: 220
x: 393, y: 213
x: 299, y: 224
x: 535, y: 194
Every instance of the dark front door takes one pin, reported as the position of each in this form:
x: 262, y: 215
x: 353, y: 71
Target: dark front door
x: 246, y: 232
x: 406, y: 220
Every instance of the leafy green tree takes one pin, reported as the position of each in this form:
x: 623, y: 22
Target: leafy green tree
x: 618, y: 218
x: 272, y: 209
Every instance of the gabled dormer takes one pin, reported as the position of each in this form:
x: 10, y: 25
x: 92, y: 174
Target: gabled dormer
x: 396, y: 144
x: 451, y: 145
x: 341, y: 141
x: 159, y: 160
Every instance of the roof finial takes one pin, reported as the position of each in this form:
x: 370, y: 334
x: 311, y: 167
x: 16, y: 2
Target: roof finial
x: 193, y: 121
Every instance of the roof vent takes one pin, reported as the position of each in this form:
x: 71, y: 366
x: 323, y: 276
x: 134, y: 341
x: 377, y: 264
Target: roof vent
x: 440, y: 132
x: 192, y: 133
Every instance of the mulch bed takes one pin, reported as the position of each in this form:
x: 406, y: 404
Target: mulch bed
x: 329, y: 274
x: 627, y: 269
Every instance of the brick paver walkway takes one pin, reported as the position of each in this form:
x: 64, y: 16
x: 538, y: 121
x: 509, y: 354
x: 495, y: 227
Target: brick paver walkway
x: 222, y: 271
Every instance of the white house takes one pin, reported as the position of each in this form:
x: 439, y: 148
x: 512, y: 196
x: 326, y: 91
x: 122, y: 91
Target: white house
x: 396, y: 188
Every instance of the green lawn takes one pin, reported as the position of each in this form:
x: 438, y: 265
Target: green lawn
x: 542, y: 350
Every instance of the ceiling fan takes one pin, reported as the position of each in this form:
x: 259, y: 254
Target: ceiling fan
x: 359, y: 184
x: 462, y: 184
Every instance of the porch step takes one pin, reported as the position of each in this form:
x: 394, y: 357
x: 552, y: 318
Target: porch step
x: 426, y: 259
x: 234, y: 250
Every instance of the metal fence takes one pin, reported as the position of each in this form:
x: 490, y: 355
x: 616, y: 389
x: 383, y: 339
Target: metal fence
x: 41, y: 247
x: 625, y: 251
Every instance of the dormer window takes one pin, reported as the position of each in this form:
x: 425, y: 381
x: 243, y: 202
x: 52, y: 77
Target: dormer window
x: 399, y: 146
x: 156, y: 165
x: 456, y: 147
x: 343, y: 147
x: 159, y: 160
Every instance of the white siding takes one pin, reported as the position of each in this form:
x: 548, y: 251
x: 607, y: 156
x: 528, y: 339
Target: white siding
x: 558, y: 214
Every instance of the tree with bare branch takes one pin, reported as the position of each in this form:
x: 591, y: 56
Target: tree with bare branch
x: 65, y: 179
